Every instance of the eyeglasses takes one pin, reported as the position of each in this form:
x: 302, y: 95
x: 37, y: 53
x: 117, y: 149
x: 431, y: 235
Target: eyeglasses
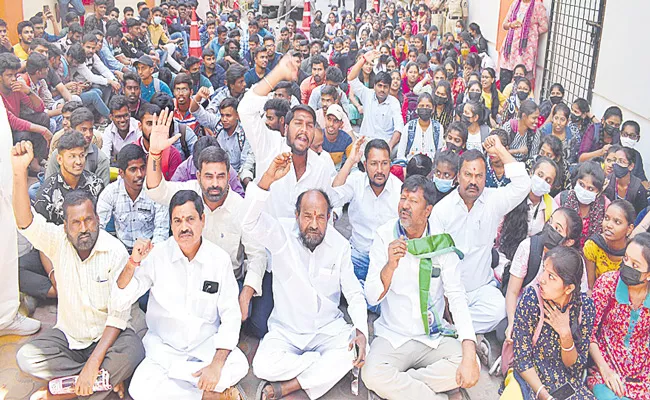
x: 182, y: 90
x: 633, y: 136
x: 620, y: 161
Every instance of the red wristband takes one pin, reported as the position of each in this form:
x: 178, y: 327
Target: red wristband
x: 132, y: 261
x: 156, y: 154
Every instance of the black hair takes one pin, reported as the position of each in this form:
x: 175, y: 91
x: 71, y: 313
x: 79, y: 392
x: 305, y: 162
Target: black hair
x: 643, y: 240
x: 165, y: 75
x: 71, y: 140
x: 131, y: 76
x: 329, y: 90
x: 425, y: 96
x: 234, y: 73
x: 75, y: 198
x: 318, y: 59
x: 554, y: 143
x: 131, y: 22
x: 471, y: 155
x: 299, y: 107
x: 627, y: 208
x: 184, y: 196
x: 117, y: 102
x: 36, y: 62
x: 157, y: 9
x: 574, y: 225
x: 383, y: 77
x: 594, y: 170
x: 53, y: 51
x: 334, y: 74
x: 114, y: 32
x: 449, y: 105
x: 128, y: 9
x: 280, y: 107
x: 477, y: 109
x: 419, y: 164
x: 325, y: 196
x: 70, y: 106
x: 81, y: 115
x: 229, y: 102
x: 520, y: 66
x: 635, y: 126
x: 71, y: 16
x: 203, y: 143
x: 545, y: 160
x: 613, y: 111
x: 562, y: 108
x: 527, y: 107
x: 415, y: 182
x: 3, y: 22
x: 22, y: 25
x: 130, y: 152
x: 494, y: 93
x: 148, y: 108
x: 447, y: 157
x: 88, y: 37
x: 75, y: 27
x: 583, y: 105
x: 459, y: 127
x: 191, y: 60
x: 208, y: 52
x: 8, y: 61
x: 39, y: 42
x: 475, y: 27
x: 213, y: 154
x: 557, y: 86
x: 379, y: 144
x: 183, y: 78
x: 258, y: 50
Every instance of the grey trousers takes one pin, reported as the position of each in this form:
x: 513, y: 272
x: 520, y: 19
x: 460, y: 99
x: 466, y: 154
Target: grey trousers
x: 49, y: 356
x: 412, y: 371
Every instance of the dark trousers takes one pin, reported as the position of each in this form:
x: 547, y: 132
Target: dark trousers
x: 32, y: 277
x: 49, y: 356
x: 505, y: 77
x: 260, y: 309
x: 359, y: 7
x: 40, y: 145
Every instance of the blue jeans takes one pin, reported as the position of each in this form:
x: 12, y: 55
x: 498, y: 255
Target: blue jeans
x: 360, y: 262
x: 33, y: 189
x: 186, y: 42
x: 77, y: 5
x: 93, y: 97
x: 259, y: 308
x: 602, y: 392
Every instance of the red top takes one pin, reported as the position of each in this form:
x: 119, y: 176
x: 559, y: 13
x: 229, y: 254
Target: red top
x: 13, y: 103
x: 170, y: 160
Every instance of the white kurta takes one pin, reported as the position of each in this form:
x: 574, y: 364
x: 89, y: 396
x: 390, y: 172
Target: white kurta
x: 308, y: 337
x: 186, y: 324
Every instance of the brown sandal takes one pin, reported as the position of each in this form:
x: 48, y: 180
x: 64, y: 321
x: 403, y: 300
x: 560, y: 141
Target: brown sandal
x: 263, y: 395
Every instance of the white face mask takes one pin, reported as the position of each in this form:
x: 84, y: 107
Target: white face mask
x: 628, y: 142
x: 583, y: 195
x: 157, y: 20
x: 539, y: 186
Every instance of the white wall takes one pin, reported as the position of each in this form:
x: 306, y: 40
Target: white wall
x: 486, y: 14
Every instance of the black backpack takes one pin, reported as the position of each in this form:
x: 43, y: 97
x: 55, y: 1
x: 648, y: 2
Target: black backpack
x: 534, y: 262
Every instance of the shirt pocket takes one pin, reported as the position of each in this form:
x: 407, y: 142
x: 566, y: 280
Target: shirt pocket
x: 205, y: 305
x: 329, y: 281
x: 99, y: 292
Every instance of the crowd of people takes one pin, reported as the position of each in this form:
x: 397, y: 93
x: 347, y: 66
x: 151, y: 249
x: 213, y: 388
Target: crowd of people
x: 169, y: 202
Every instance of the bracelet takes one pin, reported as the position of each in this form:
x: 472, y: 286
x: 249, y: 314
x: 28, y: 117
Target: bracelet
x: 538, y: 391
x: 573, y: 346
x: 49, y: 275
x: 268, y: 83
x: 135, y: 264
x: 156, y: 154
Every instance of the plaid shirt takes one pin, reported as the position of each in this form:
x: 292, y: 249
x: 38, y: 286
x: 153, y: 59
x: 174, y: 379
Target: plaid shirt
x: 139, y: 219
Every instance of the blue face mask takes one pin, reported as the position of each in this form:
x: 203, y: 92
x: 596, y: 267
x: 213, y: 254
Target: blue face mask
x: 230, y: 25
x: 443, y: 185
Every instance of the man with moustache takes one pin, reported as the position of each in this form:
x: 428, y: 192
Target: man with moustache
x: 414, y: 355
x: 122, y: 130
x: 275, y: 111
x: 192, y: 313
x: 471, y: 214
x: 90, y: 334
x: 136, y: 216
x: 373, y: 198
x: 309, y: 344
x: 132, y: 93
x: 182, y: 88
x: 170, y: 158
x: 223, y: 221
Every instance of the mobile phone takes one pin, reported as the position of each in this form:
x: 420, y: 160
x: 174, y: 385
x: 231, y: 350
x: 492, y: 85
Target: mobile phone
x: 356, y: 352
x: 563, y: 392
x: 46, y: 9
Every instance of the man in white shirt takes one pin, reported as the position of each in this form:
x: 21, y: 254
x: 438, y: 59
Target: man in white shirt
x: 89, y: 333
x: 122, y: 130
x: 415, y: 355
x: 192, y: 315
x: 373, y: 198
x: 309, y: 171
x: 382, y: 113
x: 223, y: 220
x: 471, y: 214
x: 309, y: 343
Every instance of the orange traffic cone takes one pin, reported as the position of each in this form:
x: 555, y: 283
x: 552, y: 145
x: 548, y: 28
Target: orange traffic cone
x: 195, y: 40
x: 306, y: 18
x: 235, y: 5
x: 375, y: 4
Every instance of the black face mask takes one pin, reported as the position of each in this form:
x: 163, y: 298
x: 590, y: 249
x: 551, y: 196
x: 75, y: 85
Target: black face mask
x: 629, y: 275
x: 424, y: 113
x: 196, y: 76
x: 610, y: 129
x: 439, y: 100
x: 453, y: 147
x: 550, y: 237
x: 234, y: 54
x: 473, y: 96
x: 575, y: 118
x: 522, y: 95
x: 555, y: 99
x: 620, y: 171
x: 465, y: 119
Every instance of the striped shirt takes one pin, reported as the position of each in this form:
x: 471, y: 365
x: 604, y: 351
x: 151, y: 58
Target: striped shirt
x: 84, y: 287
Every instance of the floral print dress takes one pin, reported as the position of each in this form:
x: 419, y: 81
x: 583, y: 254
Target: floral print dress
x: 546, y: 355
x: 624, y: 336
x: 538, y: 26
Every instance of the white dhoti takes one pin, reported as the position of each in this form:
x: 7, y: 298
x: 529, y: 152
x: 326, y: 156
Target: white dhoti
x: 318, y: 366
x: 153, y: 380
x: 487, y: 307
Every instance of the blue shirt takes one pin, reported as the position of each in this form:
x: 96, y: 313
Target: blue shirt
x: 108, y: 58
x: 149, y: 90
x: 252, y: 78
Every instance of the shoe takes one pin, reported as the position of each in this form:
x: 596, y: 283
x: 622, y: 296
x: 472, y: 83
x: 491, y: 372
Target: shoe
x: 484, y: 351
x: 21, y: 325
x: 27, y: 304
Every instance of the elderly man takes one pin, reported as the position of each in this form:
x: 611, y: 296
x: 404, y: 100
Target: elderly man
x: 308, y: 345
x: 192, y: 315
x: 471, y: 214
x: 89, y: 333
x: 223, y: 219
x: 415, y: 354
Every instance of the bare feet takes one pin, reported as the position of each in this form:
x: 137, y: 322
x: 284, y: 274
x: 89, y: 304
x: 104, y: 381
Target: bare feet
x: 3, y: 392
x: 40, y: 394
x: 119, y: 389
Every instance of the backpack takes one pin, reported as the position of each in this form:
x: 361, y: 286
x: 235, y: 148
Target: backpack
x: 534, y: 262
x: 412, y: 125
x: 156, y: 84
x: 410, y: 106
x: 182, y: 128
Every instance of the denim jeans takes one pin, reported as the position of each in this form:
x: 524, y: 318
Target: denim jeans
x: 602, y: 392
x: 33, y: 189
x: 260, y: 307
x: 77, y: 5
x: 93, y: 97
x: 360, y: 262
x: 186, y: 41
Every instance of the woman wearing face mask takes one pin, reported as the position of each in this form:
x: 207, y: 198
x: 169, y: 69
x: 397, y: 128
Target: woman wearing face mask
x: 493, y: 99
x: 586, y: 198
x: 601, y: 136
x: 523, y: 131
x: 495, y: 172
x: 563, y: 228
x: 455, y: 138
x: 519, y: 72
x: 317, y: 28
x: 473, y: 117
x: 522, y: 92
x: 443, y: 104
x: 621, y: 183
x: 630, y: 135
x: 421, y: 135
x: 603, y: 252
x: 547, y: 106
x: 551, y: 147
x: 558, y: 126
x: 619, y: 344
x: 445, y: 170
x: 457, y: 83
x: 472, y: 93
x: 579, y: 121
x: 551, y: 347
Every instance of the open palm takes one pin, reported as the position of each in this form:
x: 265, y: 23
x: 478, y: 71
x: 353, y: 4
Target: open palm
x: 159, y: 139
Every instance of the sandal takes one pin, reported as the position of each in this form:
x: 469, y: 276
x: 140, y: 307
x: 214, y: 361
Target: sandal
x: 234, y: 393
x: 277, y: 391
